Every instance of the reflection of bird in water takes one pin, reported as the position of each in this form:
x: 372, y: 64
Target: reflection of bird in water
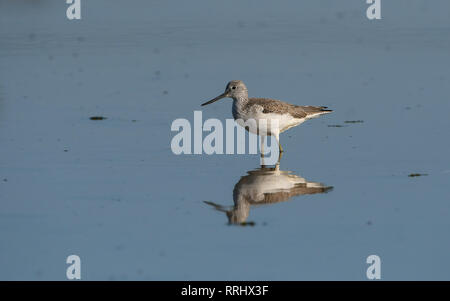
x: 266, y: 186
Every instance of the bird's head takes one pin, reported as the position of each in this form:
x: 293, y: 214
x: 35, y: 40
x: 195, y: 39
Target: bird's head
x: 235, y: 89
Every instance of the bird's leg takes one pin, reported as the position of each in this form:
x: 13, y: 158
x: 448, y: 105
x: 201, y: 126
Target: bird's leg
x: 262, y: 146
x: 279, y: 158
x: 277, y: 137
x: 262, y: 163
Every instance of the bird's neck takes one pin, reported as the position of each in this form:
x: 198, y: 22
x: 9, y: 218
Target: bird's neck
x: 240, y: 100
x: 239, y: 103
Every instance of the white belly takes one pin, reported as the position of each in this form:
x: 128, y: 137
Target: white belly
x: 268, y: 124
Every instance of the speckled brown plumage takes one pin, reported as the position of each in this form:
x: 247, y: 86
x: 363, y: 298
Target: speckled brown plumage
x: 284, y: 114
x: 280, y: 107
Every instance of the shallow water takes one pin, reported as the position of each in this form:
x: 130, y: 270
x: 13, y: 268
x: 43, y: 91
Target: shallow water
x: 112, y: 191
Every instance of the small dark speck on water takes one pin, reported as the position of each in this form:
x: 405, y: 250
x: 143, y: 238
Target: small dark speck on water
x: 165, y: 92
x: 134, y: 120
x: 354, y: 121
x: 5, y: 180
x: 335, y: 126
x: 369, y: 223
x: 97, y: 118
x: 66, y: 150
x: 417, y: 175
x: 251, y: 224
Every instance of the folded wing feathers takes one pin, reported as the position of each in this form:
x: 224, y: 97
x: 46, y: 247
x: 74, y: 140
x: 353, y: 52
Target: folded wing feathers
x: 281, y: 107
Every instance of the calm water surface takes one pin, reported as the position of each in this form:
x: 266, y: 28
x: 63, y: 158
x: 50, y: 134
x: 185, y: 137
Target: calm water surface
x: 112, y: 192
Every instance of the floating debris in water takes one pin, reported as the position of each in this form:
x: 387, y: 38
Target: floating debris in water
x: 335, y: 126
x: 251, y: 224
x: 5, y: 180
x: 134, y: 120
x: 417, y: 175
x: 354, y: 121
x: 97, y: 118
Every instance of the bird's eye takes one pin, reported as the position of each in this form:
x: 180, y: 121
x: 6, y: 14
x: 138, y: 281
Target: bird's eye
x: 234, y: 88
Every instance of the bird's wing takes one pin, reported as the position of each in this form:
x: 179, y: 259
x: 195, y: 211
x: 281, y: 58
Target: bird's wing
x: 311, y: 110
x: 269, y: 105
x: 277, y: 107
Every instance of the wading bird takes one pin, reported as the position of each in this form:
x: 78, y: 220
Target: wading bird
x: 285, y: 114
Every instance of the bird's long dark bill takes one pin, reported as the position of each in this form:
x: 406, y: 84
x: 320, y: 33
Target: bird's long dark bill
x: 215, y: 99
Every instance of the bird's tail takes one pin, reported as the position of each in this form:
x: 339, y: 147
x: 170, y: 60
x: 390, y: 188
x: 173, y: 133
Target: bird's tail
x: 325, y: 109
x: 313, y: 112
